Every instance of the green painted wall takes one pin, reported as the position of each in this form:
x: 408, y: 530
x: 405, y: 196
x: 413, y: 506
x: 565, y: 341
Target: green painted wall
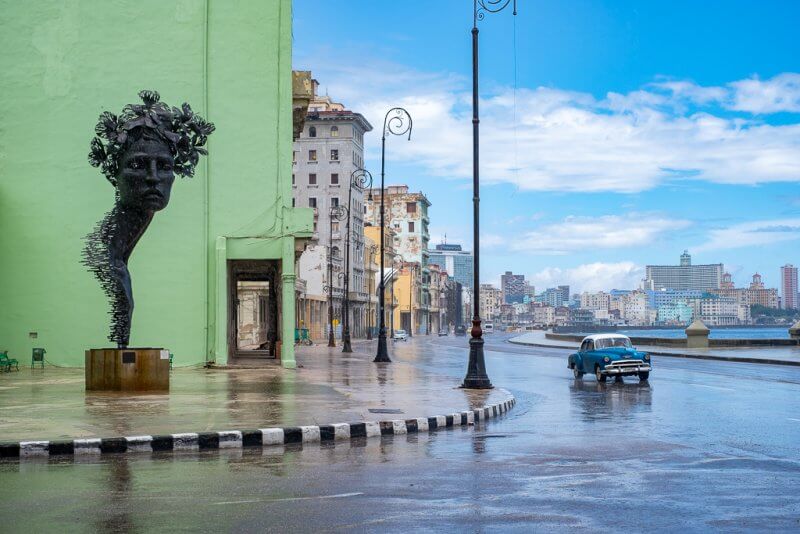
x: 64, y: 62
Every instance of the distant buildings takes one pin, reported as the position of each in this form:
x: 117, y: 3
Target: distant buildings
x: 789, y: 287
x: 756, y: 294
x: 554, y: 296
x: 684, y: 276
x: 491, y: 300
x: 457, y: 262
x: 513, y: 287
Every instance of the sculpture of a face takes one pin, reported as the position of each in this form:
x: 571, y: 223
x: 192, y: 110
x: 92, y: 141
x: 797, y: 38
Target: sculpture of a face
x: 145, y: 175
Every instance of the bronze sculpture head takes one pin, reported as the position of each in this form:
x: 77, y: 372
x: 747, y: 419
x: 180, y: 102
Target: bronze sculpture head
x: 140, y: 152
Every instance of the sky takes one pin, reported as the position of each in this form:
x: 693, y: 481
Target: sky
x: 614, y: 134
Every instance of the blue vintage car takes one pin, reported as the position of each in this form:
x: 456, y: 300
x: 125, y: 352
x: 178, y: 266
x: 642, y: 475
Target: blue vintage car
x: 607, y: 355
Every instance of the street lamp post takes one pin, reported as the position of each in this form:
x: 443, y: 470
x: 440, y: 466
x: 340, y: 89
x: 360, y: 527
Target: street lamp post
x: 398, y: 124
x: 336, y: 213
x: 360, y: 178
x: 476, y: 369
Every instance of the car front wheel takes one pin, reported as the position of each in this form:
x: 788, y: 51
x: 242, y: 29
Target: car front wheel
x: 600, y: 376
x: 644, y: 376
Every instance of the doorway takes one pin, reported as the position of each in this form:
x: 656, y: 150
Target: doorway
x: 253, y: 304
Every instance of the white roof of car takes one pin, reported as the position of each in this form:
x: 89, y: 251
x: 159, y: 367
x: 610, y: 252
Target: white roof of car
x: 595, y: 337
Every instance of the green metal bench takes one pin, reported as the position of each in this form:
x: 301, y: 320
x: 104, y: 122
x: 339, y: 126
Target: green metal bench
x: 6, y: 363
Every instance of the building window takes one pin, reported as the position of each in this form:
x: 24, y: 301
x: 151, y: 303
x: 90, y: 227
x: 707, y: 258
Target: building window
x: 293, y: 179
x: 293, y: 201
x: 294, y: 156
x: 411, y: 207
x: 315, y: 226
x: 334, y: 155
x: 411, y: 226
x: 334, y: 226
x: 312, y: 155
x: 334, y: 179
x: 334, y: 202
x: 312, y: 132
x: 334, y: 131
x: 312, y: 179
x: 312, y: 202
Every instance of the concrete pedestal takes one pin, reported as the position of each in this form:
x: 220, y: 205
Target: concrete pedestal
x: 697, y: 335
x: 132, y: 369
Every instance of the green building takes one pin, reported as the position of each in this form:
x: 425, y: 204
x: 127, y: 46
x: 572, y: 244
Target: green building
x: 230, y: 226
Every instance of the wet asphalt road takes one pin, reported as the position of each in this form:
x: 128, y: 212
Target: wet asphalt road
x: 704, y: 446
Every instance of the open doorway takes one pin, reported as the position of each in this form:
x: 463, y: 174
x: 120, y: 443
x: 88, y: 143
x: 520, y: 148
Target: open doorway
x: 253, y: 330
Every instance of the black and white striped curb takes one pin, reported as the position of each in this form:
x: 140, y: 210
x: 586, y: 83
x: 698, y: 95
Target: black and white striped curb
x: 262, y: 437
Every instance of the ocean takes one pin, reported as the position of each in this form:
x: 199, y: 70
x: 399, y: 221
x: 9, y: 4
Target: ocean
x: 721, y: 333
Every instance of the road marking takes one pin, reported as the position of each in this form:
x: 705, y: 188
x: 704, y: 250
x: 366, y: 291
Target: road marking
x: 337, y: 496
x: 792, y: 419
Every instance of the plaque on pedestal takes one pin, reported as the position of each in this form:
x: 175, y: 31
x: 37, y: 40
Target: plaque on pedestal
x: 128, y: 369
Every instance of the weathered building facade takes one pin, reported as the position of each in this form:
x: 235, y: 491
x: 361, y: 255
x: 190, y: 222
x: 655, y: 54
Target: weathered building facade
x: 329, y: 149
x: 406, y: 213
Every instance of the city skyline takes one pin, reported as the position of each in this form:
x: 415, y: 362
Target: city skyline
x: 691, y: 96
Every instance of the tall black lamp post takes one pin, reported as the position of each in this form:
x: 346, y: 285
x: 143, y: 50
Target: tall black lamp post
x: 397, y: 121
x: 359, y: 178
x: 337, y: 213
x: 476, y: 369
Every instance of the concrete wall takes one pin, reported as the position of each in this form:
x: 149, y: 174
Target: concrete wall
x: 64, y: 62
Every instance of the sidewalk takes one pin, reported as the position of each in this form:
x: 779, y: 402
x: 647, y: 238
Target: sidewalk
x: 768, y: 355
x: 328, y: 387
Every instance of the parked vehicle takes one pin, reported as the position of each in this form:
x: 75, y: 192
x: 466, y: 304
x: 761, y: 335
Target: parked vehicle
x: 607, y: 355
x: 443, y: 332
x: 460, y: 330
x: 400, y: 335
x: 488, y: 328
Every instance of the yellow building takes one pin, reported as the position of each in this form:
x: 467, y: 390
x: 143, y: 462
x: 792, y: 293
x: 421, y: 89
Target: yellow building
x: 372, y: 235
x: 407, y: 287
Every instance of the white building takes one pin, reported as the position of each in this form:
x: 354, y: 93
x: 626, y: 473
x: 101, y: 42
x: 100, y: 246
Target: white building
x: 491, y: 299
x: 595, y: 301
x: 544, y: 315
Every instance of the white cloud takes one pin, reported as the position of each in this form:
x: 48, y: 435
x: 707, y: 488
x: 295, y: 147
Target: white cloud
x: 570, y: 141
x: 591, y: 277
x: 751, y: 234
x: 781, y: 93
x: 575, y: 234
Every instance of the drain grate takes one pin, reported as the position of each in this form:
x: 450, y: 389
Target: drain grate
x: 385, y: 410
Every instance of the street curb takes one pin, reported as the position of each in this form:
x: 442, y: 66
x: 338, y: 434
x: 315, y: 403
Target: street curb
x: 237, y: 439
x: 737, y: 359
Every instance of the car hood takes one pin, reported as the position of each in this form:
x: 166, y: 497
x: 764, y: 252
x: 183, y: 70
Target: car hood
x: 620, y: 353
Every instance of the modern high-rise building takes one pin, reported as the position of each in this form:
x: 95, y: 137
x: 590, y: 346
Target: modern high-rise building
x: 685, y: 275
x: 457, y: 262
x: 789, y: 287
x: 513, y: 287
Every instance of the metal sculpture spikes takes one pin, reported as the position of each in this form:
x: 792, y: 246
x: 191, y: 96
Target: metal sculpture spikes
x: 139, y: 152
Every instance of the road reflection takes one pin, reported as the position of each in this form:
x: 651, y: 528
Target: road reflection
x: 596, y: 400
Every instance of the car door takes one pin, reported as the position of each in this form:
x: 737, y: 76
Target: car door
x: 580, y: 354
x: 586, y: 357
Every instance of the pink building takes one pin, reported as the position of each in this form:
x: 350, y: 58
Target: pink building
x: 789, y: 287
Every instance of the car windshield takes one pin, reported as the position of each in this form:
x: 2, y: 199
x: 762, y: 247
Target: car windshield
x: 610, y: 342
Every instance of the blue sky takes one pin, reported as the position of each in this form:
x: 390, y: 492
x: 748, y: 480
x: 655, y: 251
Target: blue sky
x: 622, y: 134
